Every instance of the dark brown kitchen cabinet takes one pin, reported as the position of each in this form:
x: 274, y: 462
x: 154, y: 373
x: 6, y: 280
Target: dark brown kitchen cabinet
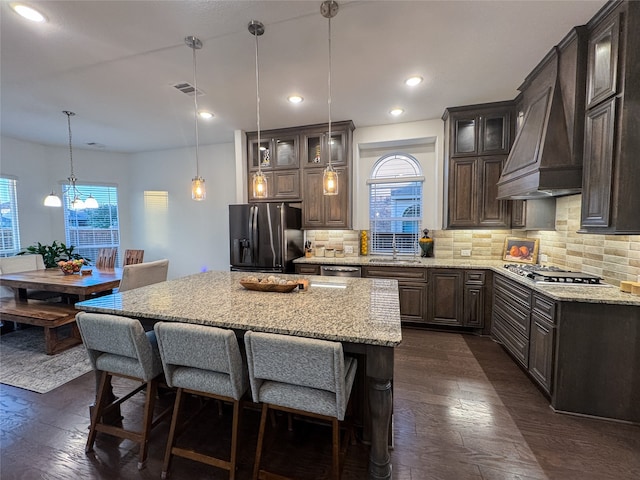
x: 307, y: 269
x: 474, y: 298
x: 611, y: 175
x: 542, y: 341
x: 283, y: 185
x: 325, y: 211
x: 446, y: 297
x: 480, y: 131
x: 316, y: 145
x: 278, y: 149
x: 477, y: 142
x: 412, y: 289
x: 293, y: 161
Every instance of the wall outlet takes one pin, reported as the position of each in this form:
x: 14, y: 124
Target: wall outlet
x: 465, y: 253
x: 348, y: 249
x: 544, y: 257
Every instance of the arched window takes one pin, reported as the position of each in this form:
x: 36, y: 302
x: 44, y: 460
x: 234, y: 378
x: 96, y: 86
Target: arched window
x: 395, y: 201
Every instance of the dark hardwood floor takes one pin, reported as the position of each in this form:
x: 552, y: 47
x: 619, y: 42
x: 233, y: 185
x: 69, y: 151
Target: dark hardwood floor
x: 462, y: 410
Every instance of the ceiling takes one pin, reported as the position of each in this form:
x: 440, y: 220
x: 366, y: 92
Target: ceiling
x: 114, y: 64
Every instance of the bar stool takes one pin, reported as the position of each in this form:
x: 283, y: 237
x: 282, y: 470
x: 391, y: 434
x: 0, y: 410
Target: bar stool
x: 119, y: 347
x: 299, y: 375
x: 203, y: 361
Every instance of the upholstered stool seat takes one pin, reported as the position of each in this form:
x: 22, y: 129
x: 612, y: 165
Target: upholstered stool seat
x: 302, y: 376
x: 203, y: 361
x: 118, y: 346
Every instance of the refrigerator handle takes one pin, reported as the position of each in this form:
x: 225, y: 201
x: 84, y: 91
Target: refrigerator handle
x: 253, y: 229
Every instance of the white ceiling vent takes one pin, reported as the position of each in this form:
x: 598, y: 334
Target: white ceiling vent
x: 187, y: 89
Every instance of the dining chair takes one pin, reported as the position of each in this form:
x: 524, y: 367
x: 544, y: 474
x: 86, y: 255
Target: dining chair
x: 119, y: 347
x: 106, y: 258
x: 203, y: 361
x: 303, y: 376
x: 25, y: 263
x: 132, y: 257
x: 142, y: 274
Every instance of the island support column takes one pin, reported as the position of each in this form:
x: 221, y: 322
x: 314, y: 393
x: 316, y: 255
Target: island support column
x: 380, y: 376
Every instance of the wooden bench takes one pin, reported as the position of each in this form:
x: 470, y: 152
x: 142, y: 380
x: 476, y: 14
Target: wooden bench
x: 50, y: 316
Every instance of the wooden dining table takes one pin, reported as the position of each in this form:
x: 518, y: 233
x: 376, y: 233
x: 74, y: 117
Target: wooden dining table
x: 57, y: 318
x: 53, y: 280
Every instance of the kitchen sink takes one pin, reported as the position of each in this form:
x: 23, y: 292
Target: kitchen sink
x: 396, y: 260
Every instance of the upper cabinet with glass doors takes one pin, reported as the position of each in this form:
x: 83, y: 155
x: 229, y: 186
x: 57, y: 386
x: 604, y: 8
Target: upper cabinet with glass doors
x: 486, y: 133
x: 278, y: 150
x: 316, y: 145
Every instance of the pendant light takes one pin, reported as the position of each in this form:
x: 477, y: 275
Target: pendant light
x: 329, y: 9
x: 198, y: 188
x: 259, y: 182
x: 72, y: 191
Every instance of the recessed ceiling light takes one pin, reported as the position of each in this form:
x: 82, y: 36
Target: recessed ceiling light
x: 413, y: 81
x: 295, y: 99
x: 396, y: 111
x: 206, y: 115
x: 28, y: 12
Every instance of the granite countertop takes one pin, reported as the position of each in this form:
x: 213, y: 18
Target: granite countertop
x: 586, y: 294
x: 352, y: 310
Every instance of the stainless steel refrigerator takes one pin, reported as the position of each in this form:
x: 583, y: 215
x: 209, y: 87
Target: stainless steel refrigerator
x: 265, y: 237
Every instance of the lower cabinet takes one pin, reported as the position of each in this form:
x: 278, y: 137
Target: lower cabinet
x: 412, y: 289
x: 307, y: 269
x: 524, y: 322
x: 445, y: 293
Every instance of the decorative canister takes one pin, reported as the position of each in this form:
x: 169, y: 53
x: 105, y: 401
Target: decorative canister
x: 319, y: 250
x: 364, y: 242
x: 329, y: 252
x: 426, y: 244
x: 339, y: 252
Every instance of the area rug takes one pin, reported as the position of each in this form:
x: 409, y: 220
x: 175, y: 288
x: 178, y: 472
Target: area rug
x: 24, y: 364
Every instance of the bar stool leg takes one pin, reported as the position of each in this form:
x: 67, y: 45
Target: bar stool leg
x: 263, y: 423
x: 172, y: 434
x: 97, y: 411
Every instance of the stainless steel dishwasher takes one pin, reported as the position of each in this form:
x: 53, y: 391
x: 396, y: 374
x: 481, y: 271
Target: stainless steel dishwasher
x: 339, y: 271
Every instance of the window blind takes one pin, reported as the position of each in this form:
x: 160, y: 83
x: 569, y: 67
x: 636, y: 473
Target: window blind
x: 395, y: 203
x: 89, y: 230
x: 9, y: 228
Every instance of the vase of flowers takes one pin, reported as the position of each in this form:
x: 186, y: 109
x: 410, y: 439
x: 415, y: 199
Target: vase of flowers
x: 69, y: 267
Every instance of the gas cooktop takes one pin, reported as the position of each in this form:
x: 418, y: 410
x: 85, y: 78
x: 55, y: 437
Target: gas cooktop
x: 550, y: 275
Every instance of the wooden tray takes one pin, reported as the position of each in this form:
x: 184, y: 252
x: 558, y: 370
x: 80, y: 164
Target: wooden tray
x: 268, y: 287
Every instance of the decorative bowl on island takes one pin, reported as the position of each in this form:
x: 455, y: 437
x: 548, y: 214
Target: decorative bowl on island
x: 268, y: 284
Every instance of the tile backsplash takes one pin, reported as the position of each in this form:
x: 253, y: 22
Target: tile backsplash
x: 612, y: 257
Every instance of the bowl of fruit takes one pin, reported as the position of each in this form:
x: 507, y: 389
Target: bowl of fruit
x: 69, y: 267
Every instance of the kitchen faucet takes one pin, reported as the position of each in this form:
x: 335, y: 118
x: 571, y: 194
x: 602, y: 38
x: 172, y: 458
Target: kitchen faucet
x: 393, y: 247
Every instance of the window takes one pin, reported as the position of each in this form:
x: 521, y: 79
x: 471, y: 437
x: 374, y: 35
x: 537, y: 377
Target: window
x: 395, y: 202
x: 9, y: 231
x: 89, y: 230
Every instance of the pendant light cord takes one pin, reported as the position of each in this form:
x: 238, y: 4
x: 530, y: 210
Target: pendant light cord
x: 329, y: 96
x: 258, y: 103
x: 72, y: 177
x: 195, y: 105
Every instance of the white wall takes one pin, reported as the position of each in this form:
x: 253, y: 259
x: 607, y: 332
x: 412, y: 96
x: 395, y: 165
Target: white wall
x: 41, y: 168
x: 422, y: 140
x: 194, y: 236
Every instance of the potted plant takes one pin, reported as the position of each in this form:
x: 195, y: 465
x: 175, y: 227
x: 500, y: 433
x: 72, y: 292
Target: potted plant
x: 54, y: 253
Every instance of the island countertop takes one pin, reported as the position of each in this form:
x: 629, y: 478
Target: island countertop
x: 341, y: 309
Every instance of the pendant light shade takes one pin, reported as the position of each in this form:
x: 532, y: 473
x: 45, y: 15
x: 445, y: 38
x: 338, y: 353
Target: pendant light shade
x: 52, y: 200
x: 198, y: 188
x: 329, y: 9
x: 72, y: 192
x: 259, y: 181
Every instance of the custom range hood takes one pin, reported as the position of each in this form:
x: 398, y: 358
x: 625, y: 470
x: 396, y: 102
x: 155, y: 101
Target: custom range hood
x: 546, y: 157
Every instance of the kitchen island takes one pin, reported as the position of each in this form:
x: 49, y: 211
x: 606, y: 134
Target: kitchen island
x: 362, y: 314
